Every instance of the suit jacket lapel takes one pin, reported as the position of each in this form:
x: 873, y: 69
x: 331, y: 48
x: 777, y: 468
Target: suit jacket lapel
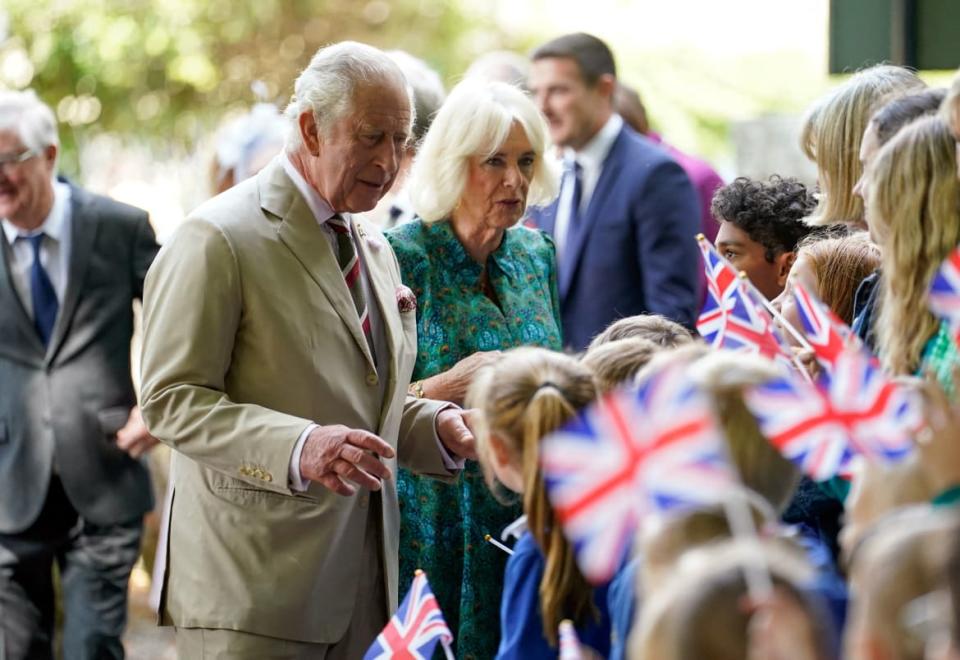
x: 302, y: 235
x: 598, y: 200
x: 8, y: 291
x: 84, y: 224
x: 385, y: 297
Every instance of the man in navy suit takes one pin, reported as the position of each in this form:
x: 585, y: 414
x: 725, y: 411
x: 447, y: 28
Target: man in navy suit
x: 625, y: 220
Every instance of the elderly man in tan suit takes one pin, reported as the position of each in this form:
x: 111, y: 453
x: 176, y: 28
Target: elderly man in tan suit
x: 278, y: 346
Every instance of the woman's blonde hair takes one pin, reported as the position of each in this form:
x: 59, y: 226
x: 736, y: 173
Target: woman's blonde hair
x: 839, y: 265
x: 529, y: 393
x: 475, y: 120
x: 950, y: 109
x: 833, y: 129
x: 914, y: 209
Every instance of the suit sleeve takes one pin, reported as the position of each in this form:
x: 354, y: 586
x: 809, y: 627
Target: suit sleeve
x: 144, y: 252
x: 667, y: 216
x: 418, y: 447
x: 191, y: 311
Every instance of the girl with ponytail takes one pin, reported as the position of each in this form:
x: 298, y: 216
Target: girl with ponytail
x: 528, y: 394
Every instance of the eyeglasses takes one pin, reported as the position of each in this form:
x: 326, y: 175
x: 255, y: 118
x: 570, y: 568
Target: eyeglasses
x: 13, y: 160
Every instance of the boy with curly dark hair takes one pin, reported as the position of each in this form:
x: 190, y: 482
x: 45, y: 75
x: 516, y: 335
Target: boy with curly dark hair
x: 761, y: 223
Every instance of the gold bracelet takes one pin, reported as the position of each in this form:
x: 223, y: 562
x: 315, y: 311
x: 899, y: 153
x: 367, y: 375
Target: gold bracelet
x: 416, y: 389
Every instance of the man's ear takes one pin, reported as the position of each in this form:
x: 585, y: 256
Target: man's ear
x: 309, y: 132
x: 606, y: 85
x: 784, y: 264
x: 49, y: 154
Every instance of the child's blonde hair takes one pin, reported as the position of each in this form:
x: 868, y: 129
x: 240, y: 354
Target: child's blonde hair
x: 904, y: 560
x: 724, y: 375
x: 617, y: 362
x: 701, y: 613
x: 656, y: 328
x: 529, y: 393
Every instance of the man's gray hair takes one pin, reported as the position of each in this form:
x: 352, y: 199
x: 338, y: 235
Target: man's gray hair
x: 327, y: 85
x: 32, y: 120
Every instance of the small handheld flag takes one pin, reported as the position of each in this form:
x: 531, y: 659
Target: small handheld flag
x: 944, y: 295
x: 860, y: 411
x: 413, y: 632
x: 827, y: 334
x: 634, y: 452
x: 569, y: 642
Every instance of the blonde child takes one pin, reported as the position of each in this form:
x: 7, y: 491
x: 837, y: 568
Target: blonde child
x: 528, y: 394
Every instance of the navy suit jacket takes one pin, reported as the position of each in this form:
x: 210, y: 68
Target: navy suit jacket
x: 635, y: 251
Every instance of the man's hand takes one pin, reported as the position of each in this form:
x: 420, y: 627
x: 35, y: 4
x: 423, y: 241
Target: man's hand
x: 134, y: 438
x: 454, y: 433
x: 335, y: 453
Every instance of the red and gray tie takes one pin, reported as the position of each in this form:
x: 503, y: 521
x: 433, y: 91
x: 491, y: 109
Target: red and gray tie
x: 350, y: 267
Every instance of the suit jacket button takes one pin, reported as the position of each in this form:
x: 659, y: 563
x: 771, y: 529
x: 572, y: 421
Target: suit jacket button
x: 267, y: 477
x: 364, y: 501
x: 372, y: 379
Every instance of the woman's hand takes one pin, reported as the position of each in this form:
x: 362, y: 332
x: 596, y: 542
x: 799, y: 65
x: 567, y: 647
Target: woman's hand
x: 452, y: 385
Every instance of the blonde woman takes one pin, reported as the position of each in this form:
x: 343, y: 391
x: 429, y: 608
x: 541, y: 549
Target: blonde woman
x: 528, y: 394
x: 483, y: 284
x: 914, y: 206
x: 950, y: 112
x: 832, y: 133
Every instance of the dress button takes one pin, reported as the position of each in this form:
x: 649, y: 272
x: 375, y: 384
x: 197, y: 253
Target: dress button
x: 372, y: 379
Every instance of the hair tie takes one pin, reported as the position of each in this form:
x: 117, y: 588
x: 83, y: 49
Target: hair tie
x: 549, y: 383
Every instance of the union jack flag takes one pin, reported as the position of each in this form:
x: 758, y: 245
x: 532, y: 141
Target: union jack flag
x: 413, y: 632
x: 944, y: 297
x: 569, y: 642
x: 859, y: 411
x: 731, y: 316
x: 634, y: 452
x: 826, y: 333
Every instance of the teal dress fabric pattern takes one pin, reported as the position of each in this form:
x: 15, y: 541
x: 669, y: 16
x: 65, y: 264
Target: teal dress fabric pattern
x: 940, y: 356
x: 443, y: 526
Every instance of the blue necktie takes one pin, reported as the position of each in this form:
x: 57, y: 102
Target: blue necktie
x: 42, y: 294
x: 574, y: 172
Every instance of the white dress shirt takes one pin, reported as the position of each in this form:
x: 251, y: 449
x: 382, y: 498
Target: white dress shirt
x: 590, y: 159
x: 322, y: 212
x: 54, y: 249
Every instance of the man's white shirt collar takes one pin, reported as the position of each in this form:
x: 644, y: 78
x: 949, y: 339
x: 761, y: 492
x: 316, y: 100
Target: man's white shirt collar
x: 595, y: 151
x: 54, y: 225
x: 318, y: 205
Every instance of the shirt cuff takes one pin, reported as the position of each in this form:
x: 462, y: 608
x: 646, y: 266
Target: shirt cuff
x: 451, y: 461
x: 297, y: 482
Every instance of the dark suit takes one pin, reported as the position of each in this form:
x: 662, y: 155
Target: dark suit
x: 67, y: 493
x: 634, y: 250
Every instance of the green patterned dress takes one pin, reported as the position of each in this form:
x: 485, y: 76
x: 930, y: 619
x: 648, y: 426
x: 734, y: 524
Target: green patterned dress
x: 940, y: 357
x: 442, y: 526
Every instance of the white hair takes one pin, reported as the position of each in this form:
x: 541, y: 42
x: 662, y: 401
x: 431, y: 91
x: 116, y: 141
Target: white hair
x: 30, y: 119
x: 475, y: 120
x: 326, y: 87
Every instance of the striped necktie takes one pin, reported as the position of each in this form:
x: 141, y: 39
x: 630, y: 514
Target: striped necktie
x: 350, y: 267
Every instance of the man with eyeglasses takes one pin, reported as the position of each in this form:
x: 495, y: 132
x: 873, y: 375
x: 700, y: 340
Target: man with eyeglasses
x: 73, y: 490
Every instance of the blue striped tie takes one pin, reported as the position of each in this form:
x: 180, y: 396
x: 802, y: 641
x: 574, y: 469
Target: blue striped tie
x: 42, y: 293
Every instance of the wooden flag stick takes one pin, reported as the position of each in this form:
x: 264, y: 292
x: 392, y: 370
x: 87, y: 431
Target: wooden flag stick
x: 757, y: 576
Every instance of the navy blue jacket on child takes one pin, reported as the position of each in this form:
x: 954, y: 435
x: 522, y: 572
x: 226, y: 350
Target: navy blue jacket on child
x: 521, y: 623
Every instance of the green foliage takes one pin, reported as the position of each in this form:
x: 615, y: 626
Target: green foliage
x: 164, y: 71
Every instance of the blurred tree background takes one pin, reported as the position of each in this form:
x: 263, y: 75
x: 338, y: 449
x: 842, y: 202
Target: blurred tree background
x: 166, y: 71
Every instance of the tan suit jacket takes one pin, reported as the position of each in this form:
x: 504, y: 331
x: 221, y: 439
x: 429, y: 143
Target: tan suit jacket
x: 250, y: 335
